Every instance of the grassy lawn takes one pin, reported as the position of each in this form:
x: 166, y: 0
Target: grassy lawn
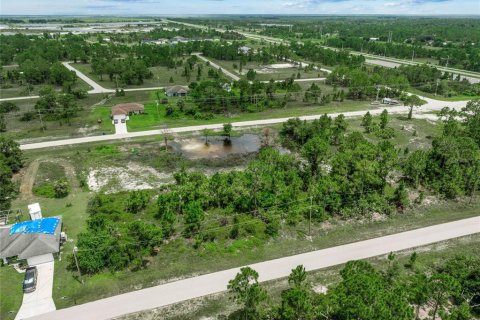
x: 221, y: 305
x: 155, y: 118
x: 11, y: 292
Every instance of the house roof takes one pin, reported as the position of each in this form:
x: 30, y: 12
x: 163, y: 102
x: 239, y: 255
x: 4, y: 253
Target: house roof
x: 27, y: 245
x: 177, y: 89
x: 126, y: 108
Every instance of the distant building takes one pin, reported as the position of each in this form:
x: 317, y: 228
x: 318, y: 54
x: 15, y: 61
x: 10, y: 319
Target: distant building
x: 121, y: 112
x: 178, y: 39
x: 35, y: 241
x: 244, y: 49
x: 157, y: 42
x: 374, y: 39
x: 177, y: 91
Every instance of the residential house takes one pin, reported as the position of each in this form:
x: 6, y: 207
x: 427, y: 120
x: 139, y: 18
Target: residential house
x: 177, y: 91
x: 121, y: 112
x: 35, y: 241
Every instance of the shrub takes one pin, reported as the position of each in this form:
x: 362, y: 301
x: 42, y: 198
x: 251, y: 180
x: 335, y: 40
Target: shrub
x: 60, y: 188
x: 136, y: 201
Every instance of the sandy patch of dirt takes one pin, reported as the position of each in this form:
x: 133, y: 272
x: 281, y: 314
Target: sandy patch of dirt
x: 280, y: 66
x: 133, y: 176
x: 320, y: 289
x: 87, y: 130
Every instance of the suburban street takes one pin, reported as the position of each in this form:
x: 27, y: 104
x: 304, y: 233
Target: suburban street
x: 177, y: 291
x: 226, y: 72
x: 419, y: 113
x: 96, y: 87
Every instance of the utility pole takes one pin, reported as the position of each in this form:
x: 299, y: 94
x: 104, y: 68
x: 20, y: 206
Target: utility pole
x: 378, y: 92
x: 75, y: 250
x: 436, y: 88
x: 310, y: 218
x: 413, y: 55
x: 448, y: 58
x: 41, y: 120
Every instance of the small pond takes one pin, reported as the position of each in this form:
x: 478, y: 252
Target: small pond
x: 217, y: 147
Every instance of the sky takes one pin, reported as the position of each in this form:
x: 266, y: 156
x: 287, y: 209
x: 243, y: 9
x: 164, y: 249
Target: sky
x: 195, y: 7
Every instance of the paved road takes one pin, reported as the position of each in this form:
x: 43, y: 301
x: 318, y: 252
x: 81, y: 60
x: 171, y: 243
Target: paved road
x: 431, y: 106
x: 96, y: 87
x: 39, y: 301
x: 19, y: 98
x: 207, y: 284
x: 213, y: 64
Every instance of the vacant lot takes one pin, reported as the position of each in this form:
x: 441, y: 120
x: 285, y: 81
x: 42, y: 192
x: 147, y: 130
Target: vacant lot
x: 162, y: 77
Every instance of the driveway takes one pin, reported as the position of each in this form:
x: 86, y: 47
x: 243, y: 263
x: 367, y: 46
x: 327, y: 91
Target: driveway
x: 121, y: 127
x: 39, y: 301
x: 211, y: 283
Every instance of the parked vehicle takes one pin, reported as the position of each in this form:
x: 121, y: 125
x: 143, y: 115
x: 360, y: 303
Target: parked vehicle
x: 30, y: 281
